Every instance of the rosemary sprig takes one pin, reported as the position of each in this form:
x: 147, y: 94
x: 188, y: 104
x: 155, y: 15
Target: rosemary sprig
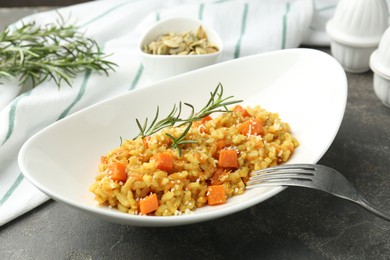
x: 156, y: 126
x: 180, y: 140
x: 55, y: 51
x: 216, y: 103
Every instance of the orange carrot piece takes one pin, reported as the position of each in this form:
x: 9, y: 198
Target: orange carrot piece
x: 205, y: 119
x: 241, y: 110
x: 148, y: 204
x: 251, y: 127
x: 118, y: 171
x: 228, y: 159
x: 164, y: 161
x: 216, y: 195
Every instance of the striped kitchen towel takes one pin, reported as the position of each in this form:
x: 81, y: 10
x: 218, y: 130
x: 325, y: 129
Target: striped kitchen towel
x: 246, y: 27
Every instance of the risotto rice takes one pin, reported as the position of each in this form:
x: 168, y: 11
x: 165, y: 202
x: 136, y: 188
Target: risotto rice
x: 149, y: 170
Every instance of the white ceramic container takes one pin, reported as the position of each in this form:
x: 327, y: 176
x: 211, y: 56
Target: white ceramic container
x: 159, y: 67
x: 356, y: 30
x: 380, y: 65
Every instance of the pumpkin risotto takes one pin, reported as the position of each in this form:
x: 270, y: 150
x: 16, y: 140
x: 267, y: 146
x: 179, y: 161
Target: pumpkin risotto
x: 146, y: 176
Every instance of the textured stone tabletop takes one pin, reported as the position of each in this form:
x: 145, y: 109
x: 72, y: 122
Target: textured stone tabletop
x: 295, y: 224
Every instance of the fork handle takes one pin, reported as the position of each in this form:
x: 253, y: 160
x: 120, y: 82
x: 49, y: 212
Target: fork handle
x: 368, y: 206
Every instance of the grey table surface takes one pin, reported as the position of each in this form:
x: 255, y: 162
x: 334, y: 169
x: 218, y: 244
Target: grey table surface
x: 295, y: 224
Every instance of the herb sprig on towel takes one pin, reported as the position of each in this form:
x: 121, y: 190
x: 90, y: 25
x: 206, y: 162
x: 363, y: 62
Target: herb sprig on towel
x: 54, y: 51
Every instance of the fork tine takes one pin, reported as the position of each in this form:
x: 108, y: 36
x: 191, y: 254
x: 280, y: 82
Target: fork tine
x: 289, y: 182
x: 293, y: 174
x: 297, y: 171
x: 286, y: 167
x: 274, y: 177
x: 281, y: 176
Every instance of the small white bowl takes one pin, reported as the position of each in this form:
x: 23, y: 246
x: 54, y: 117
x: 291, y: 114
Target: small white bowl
x: 380, y: 65
x: 355, y: 31
x: 159, y: 67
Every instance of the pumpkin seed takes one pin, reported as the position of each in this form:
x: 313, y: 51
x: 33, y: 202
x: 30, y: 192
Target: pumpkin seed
x: 187, y: 43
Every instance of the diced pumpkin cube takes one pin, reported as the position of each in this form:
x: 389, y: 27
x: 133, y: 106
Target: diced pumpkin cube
x: 228, y: 159
x: 216, y: 195
x: 164, y: 161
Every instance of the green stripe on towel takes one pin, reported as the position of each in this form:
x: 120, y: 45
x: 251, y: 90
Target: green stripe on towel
x: 12, y: 114
x: 284, y: 32
x: 11, y: 190
x: 79, y: 95
x: 106, y: 13
x: 158, y: 16
x: 137, y: 77
x: 325, y: 8
x: 221, y: 1
x: 140, y: 70
x: 201, y: 11
x: 243, y: 28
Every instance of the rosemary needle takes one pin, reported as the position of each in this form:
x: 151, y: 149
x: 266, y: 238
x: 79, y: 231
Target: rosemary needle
x: 54, y: 51
x: 216, y: 103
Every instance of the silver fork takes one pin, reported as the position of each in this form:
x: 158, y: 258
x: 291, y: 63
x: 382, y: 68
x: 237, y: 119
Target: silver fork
x: 312, y: 176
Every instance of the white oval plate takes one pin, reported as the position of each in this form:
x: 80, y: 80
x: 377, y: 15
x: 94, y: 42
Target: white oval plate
x: 308, y: 89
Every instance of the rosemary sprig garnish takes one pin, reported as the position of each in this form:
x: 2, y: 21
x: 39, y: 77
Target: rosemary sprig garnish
x: 156, y: 126
x: 55, y: 51
x: 216, y: 103
x: 180, y: 140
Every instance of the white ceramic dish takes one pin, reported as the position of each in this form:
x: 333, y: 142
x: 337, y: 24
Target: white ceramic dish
x: 355, y: 31
x: 307, y: 88
x: 160, y: 67
x: 380, y: 65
